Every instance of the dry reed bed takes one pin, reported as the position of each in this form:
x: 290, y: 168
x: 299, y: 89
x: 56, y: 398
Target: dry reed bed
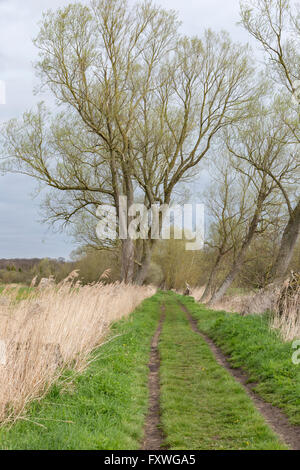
x: 52, y: 329
x: 289, y: 324
x: 197, y: 292
x: 287, y: 309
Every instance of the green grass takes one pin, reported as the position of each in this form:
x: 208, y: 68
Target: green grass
x: 203, y: 407
x: 22, y: 294
x: 258, y: 350
x: 107, y: 406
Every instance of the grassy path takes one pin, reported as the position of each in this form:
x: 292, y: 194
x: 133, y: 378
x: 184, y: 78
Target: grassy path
x: 260, y: 352
x: 201, y: 405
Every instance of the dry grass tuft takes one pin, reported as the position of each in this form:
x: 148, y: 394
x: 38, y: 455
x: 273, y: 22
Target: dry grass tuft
x: 287, y: 310
x: 105, y: 275
x: 264, y: 300
x: 251, y: 303
x: 197, y: 292
x: 54, y: 328
x: 233, y: 303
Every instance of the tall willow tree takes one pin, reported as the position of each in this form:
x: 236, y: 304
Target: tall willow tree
x: 141, y: 107
x: 275, y: 25
x: 261, y: 152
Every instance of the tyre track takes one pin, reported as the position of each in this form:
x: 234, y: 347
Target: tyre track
x: 274, y: 417
x: 153, y: 434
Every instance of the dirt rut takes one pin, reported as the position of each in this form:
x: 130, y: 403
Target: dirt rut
x: 276, y: 419
x: 153, y: 434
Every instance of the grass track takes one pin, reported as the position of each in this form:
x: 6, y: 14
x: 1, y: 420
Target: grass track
x: 259, y: 351
x: 203, y: 407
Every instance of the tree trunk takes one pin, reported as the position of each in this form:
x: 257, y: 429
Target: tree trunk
x: 127, y: 269
x: 288, y: 244
x: 239, y: 261
x: 144, y: 265
x: 208, y: 288
x: 228, y: 280
x: 128, y: 249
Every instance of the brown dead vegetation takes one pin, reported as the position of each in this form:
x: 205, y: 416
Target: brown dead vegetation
x: 54, y: 328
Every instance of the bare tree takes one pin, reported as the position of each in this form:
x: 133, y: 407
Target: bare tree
x: 202, y: 91
x: 269, y: 22
x: 99, y: 62
x: 259, y: 151
x: 228, y: 205
x: 141, y: 108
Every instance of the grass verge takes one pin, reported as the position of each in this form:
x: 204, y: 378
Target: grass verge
x: 19, y: 292
x: 203, y: 407
x: 259, y: 351
x: 102, y: 409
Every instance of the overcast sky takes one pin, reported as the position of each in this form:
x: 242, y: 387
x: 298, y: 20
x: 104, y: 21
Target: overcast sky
x: 21, y: 235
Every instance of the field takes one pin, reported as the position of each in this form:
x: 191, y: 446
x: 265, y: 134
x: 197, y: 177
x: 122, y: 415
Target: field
x: 102, y: 395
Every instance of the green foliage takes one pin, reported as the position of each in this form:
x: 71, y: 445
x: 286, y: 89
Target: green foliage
x: 93, y: 263
x: 177, y: 265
